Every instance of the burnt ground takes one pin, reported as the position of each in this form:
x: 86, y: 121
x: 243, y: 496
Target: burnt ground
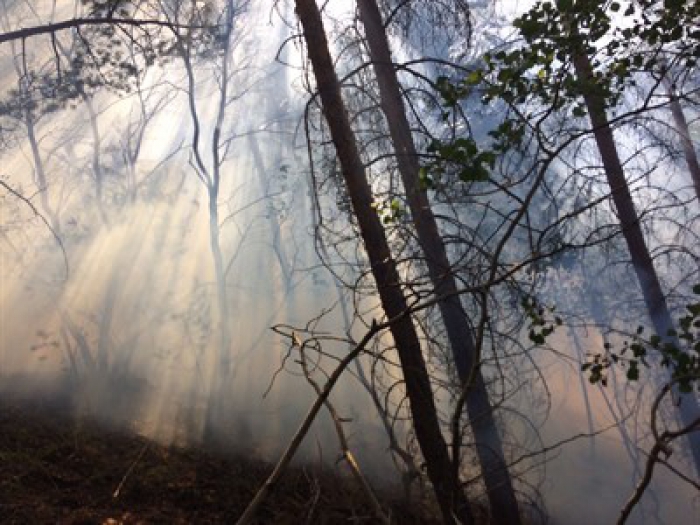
x: 55, y: 468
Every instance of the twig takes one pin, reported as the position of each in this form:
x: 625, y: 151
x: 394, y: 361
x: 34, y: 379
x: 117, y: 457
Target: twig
x: 680, y: 474
x: 118, y: 490
x: 76, y: 23
x: 661, y: 445
x: 43, y: 219
x: 314, y: 501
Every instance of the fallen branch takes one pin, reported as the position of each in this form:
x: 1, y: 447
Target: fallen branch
x: 253, y: 507
x: 346, y: 453
x: 119, y: 488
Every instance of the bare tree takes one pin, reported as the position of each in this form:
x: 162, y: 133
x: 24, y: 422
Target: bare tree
x: 210, y: 174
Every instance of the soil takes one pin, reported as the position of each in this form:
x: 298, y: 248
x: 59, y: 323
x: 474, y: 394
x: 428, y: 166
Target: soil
x: 55, y: 468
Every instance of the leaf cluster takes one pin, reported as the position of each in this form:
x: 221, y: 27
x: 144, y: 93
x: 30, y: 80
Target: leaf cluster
x: 621, y: 40
x: 543, y: 321
x: 390, y: 212
x: 679, y: 352
x: 106, y: 56
x: 555, y: 33
x: 473, y: 163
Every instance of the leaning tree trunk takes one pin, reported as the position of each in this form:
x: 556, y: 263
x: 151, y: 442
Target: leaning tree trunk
x: 639, y: 252
x: 691, y: 156
x: 417, y: 383
x: 504, y: 506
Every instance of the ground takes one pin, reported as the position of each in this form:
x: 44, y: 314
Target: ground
x: 57, y: 469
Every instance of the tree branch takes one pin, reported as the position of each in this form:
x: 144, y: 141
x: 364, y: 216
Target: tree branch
x: 54, y: 27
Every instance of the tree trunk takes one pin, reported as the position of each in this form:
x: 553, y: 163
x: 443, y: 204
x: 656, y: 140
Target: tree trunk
x: 641, y: 259
x: 211, y: 177
x: 96, y: 162
x: 214, y: 412
x: 691, y: 156
x: 417, y: 383
x: 504, y: 506
x: 40, y: 173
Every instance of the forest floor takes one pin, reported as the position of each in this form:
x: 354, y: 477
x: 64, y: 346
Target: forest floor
x: 57, y: 469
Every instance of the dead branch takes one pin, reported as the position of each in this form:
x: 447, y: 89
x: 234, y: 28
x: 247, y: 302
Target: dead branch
x: 253, y: 507
x: 346, y: 453
x: 76, y: 23
x: 662, y: 444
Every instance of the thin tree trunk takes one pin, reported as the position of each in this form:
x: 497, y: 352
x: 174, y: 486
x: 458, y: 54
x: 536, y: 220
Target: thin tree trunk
x: 214, y: 412
x: 223, y: 365
x: 212, y: 180
x: 691, y: 156
x: 96, y: 162
x: 504, y: 506
x: 40, y: 172
x: 417, y: 383
x: 641, y: 259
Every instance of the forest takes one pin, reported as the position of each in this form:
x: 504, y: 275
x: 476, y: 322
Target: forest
x: 350, y: 261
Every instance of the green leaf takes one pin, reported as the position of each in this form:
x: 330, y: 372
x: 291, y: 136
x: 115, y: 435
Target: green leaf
x: 474, y: 78
x: 633, y: 371
x: 638, y: 350
x: 579, y: 111
x: 474, y: 173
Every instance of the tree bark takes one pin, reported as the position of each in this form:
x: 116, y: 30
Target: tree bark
x: 504, y: 506
x: 417, y: 383
x: 654, y: 298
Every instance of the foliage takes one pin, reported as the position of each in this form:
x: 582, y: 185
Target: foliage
x: 536, y: 79
x: 108, y: 56
x: 679, y: 351
x: 390, y: 211
x: 542, y: 321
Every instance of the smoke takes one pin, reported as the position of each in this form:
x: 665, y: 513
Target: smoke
x: 130, y: 335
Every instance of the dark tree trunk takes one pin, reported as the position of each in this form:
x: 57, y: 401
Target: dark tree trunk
x: 418, y: 389
x: 641, y: 259
x: 504, y: 506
